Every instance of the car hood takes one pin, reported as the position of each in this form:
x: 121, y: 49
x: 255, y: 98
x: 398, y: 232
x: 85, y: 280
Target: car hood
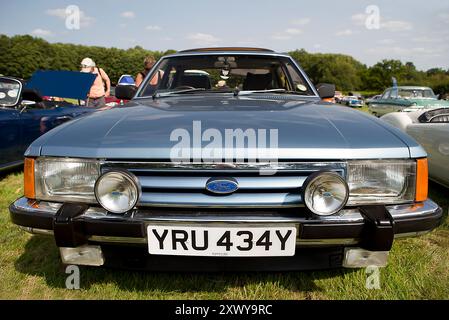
x: 149, y: 129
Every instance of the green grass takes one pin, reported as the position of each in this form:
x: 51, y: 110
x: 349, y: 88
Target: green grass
x: 30, y: 269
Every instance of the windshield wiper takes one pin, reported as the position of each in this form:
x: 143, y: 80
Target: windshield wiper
x: 157, y: 94
x: 248, y: 92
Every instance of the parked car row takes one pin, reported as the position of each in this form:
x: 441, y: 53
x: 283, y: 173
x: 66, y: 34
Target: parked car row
x: 25, y: 114
x: 406, y: 99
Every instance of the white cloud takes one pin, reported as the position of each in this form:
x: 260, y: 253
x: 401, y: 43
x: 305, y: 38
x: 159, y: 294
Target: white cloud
x: 301, y: 22
x: 128, y: 14
x: 287, y: 34
x: 345, y: 33
x: 396, y: 25
x: 42, y: 33
x: 203, y: 39
x: 293, y: 31
x: 409, y: 53
x: 279, y: 36
x: 153, y: 28
x: 359, y: 19
x: 388, y: 24
x: 61, y: 13
x: 426, y: 40
x: 387, y: 41
x: 444, y: 17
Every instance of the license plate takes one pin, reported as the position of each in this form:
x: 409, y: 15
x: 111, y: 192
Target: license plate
x: 260, y: 241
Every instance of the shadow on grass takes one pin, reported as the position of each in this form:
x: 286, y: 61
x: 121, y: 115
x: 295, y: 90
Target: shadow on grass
x: 15, y: 170
x: 41, y: 258
x: 440, y: 195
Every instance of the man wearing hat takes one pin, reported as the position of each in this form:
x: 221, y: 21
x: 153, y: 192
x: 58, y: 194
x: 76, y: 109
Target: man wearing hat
x: 101, y: 86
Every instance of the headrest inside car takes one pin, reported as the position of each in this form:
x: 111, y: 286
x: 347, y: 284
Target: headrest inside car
x: 257, y: 81
x: 196, y: 81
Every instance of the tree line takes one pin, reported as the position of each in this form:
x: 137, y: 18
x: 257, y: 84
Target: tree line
x: 22, y: 55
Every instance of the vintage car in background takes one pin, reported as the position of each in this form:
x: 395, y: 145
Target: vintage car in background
x: 260, y: 174
x: 338, y: 96
x: 352, y: 101
x: 373, y: 99
x: 406, y: 99
x: 431, y: 129
x: 25, y: 114
x: 112, y: 101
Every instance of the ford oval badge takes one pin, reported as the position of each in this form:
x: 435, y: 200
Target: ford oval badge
x: 222, y: 185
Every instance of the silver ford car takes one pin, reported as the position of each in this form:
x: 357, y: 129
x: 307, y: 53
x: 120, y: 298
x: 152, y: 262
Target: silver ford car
x: 226, y: 159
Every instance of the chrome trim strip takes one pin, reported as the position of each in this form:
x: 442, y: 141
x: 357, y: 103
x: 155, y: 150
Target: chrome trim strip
x: 345, y: 216
x: 117, y: 239
x: 227, y: 167
x: 327, y: 242
x: 301, y: 242
x: 400, y: 236
x: 425, y: 208
x: 34, y: 206
x: 37, y: 231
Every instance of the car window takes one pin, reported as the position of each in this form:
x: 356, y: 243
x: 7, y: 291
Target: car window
x: 386, y: 94
x: 416, y: 93
x: 215, y: 73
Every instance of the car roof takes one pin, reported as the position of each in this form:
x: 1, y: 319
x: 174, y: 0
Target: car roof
x: 411, y: 88
x: 221, y: 49
x: 227, y: 50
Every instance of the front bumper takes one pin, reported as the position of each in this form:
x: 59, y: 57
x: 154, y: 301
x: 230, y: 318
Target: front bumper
x: 328, y: 235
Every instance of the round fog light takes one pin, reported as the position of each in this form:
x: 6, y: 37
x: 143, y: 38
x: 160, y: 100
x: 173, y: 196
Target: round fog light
x: 117, y: 191
x: 325, y: 193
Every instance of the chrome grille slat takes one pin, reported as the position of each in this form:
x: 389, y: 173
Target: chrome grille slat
x: 198, y: 183
x: 255, y: 200
x: 166, y: 184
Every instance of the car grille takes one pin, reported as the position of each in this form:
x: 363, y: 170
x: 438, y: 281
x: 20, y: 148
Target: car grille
x: 183, y: 185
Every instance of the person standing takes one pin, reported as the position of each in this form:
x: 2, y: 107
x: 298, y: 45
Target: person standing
x: 101, y: 86
x: 148, y: 63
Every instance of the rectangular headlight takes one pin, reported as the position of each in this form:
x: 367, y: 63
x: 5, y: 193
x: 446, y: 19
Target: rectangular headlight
x: 381, y: 181
x: 60, y: 179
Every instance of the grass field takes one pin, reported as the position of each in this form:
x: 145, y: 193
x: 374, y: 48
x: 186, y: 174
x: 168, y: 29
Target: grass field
x: 30, y: 269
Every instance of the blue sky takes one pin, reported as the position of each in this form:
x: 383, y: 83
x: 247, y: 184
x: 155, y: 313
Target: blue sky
x: 409, y: 30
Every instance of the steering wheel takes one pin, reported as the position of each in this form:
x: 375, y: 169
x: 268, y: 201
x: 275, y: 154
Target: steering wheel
x: 184, y: 88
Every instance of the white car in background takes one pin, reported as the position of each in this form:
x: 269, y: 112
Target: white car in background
x: 431, y: 129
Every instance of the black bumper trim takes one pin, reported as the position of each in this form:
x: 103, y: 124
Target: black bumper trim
x: 136, y: 229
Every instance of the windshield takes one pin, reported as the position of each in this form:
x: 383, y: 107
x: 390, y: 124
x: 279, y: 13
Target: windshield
x: 9, y: 92
x: 416, y: 93
x: 225, y: 73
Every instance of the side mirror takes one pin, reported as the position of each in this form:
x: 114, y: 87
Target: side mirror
x: 125, y: 92
x: 326, y: 90
x: 25, y: 104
